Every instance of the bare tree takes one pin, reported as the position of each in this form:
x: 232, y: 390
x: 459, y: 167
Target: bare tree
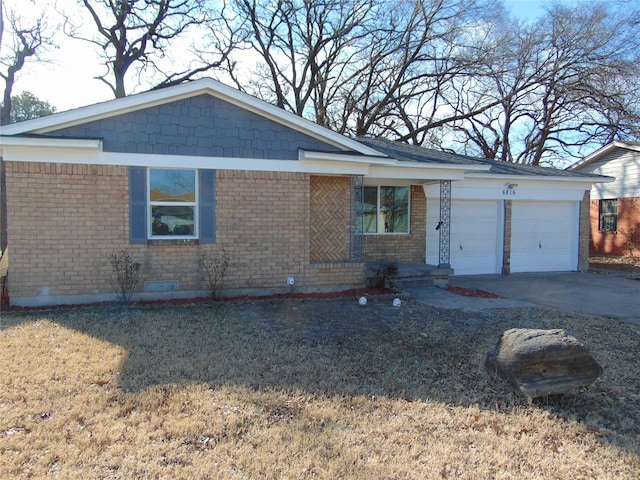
x: 140, y: 33
x: 304, y: 48
x: 20, y: 39
x: 220, y: 33
x: 567, y: 84
x: 416, y: 68
x: 449, y: 73
x: 360, y: 67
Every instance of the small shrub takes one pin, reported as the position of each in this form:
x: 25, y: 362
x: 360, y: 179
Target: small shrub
x: 126, y: 275
x: 386, y: 275
x: 215, y: 267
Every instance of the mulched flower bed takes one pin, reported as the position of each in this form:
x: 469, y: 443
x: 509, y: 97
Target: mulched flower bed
x: 355, y: 292
x: 467, y: 292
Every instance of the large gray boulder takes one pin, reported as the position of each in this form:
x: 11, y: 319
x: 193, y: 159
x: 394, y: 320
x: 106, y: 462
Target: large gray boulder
x: 542, y: 362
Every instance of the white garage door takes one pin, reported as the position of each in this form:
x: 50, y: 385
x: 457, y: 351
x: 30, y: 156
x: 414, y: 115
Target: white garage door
x: 544, y: 236
x: 476, y: 233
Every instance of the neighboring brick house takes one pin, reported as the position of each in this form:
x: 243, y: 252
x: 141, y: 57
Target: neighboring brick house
x: 200, y: 168
x: 615, y: 206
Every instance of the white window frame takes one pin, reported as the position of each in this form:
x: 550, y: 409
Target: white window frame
x: 379, y: 221
x: 151, y: 204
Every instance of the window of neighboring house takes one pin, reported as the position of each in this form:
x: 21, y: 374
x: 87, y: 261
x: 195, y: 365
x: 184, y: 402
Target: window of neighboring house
x: 172, y: 203
x: 609, y: 215
x: 386, y: 209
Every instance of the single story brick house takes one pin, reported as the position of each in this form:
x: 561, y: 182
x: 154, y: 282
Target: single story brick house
x: 615, y: 206
x: 200, y: 168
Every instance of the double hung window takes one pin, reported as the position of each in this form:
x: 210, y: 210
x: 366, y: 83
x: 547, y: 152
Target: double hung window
x: 173, y: 205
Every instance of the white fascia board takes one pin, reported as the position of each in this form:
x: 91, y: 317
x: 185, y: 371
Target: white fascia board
x: 78, y: 156
x: 92, y: 113
x: 601, y: 152
x: 185, y: 90
x: 306, y: 155
x: 417, y: 175
x: 423, y: 171
x: 534, y: 178
x: 39, y: 142
x: 513, y: 188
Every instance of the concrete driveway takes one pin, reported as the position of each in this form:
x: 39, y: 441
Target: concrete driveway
x: 589, y: 293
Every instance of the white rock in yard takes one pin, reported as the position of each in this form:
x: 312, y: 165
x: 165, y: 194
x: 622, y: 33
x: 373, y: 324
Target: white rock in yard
x: 362, y: 301
x: 396, y: 302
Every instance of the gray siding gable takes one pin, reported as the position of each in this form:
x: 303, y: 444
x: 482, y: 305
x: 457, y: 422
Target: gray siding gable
x: 202, y: 125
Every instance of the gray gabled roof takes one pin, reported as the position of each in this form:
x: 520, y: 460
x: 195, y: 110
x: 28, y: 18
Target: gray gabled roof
x: 404, y: 152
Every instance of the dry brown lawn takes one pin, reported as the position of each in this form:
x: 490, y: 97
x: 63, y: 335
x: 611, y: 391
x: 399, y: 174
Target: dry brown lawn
x: 303, y: 389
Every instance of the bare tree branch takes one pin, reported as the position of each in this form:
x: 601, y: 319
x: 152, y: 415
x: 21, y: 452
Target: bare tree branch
x: 140, y: 34
x: 25, y: 38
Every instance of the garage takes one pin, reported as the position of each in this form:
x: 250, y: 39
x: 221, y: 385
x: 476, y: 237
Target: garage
x: 543, y: 236
x: 514, y: 218
x: 476, y: 236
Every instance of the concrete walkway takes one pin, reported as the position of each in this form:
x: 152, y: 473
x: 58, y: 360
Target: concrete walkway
x: 593, y: 294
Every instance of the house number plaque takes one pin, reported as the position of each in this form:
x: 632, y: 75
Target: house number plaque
x: 510, y: 189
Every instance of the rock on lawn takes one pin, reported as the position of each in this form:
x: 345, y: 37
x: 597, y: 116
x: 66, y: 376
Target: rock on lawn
x: 542, y: 362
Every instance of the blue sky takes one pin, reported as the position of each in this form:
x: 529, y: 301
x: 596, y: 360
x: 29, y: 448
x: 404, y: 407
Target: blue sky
x: 530, y: 9
x: 525, y: 9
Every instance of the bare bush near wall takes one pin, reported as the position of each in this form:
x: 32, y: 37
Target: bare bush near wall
x: 215, y: 267
x: 630, y: 243
x: 126, y: 274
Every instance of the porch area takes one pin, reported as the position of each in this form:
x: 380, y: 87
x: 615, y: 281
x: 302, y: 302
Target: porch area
x: 407, y: 275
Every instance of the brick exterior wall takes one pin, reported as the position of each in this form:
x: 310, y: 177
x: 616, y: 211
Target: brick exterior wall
x: 614, y: 243
x: 65, y: 220
x: 400, y: 248
x: 583, y: 234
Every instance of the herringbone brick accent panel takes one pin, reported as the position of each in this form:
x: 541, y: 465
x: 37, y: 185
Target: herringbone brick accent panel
x: 330, y: 219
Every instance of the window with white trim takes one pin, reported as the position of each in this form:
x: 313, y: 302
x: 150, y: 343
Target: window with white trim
x: 172, y: 203
x: 386, y: 209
